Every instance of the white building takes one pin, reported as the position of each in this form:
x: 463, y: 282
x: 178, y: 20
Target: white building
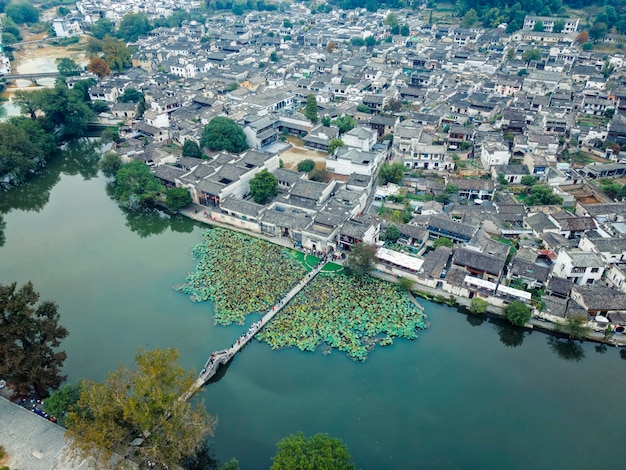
x: 570, y: 24
x: 579, y: 266
x: 348, y: 161
x: 361, y: 138
x: 64, y: 28
x: 427, y: 157
x: 494, y: 153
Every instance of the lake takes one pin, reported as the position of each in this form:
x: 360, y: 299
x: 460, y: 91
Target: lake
x: 468, y: 393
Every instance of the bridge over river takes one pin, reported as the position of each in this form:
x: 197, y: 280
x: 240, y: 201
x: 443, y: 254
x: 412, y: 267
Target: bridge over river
x: 222, y: 356
x: 33, y: 77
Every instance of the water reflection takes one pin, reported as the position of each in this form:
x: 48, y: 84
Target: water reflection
x: 510, y: 336
x: 146, y: 222
x: 3, y: 225
x: 475, y: 320
x: 600, y: 348
x: 622, y: 354
x: 567, y: 349
x: 80, y: 157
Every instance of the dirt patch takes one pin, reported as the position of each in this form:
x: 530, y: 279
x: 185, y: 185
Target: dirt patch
x: 291, y: 157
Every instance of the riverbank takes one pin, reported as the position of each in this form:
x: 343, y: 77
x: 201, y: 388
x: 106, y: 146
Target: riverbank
x: 197, y: 212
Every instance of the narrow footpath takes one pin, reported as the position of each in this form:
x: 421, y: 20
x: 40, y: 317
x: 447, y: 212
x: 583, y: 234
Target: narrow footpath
x: 223, y: 356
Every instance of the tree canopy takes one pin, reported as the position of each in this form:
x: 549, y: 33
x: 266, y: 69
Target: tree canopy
x: 361, y: 260
x: 306, y: 165
x: 224, y: 134
x: 518, y: 313
x: 345, y: 123
x: 98, y: 66
x: 443, y: 241
x: 110, y: 163
x: 135, y: 184
x: 116, y: 54
x: 24, y: 148
x: 30, y: 336
x: 478, y: 306
x: 22, y: 12
x: 68, y: 68
x: 191, y: 149
x: 319, y: 452
x: 141, y: 403
x: 310, y: 110
x: 177, y: 198
x: 132, y: 26
x: 263, y: 187
x: 391, y: 173
x: 62, y: 401
x: 392, y: 233
x: 542, y: 195
x: 334, y: 144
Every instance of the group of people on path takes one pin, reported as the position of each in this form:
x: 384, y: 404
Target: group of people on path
x: 251, y: 331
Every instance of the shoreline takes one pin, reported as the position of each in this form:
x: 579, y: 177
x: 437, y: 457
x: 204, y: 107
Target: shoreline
x: 196, y: 213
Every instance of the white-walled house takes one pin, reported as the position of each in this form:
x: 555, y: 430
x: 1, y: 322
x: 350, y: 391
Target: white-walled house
x: 583, y: 268
x: 347, y: 161
x: 494, y: 153
x: 361, y: 138
x: 427, y: 157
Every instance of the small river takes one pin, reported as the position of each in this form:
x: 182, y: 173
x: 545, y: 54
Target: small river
x: 467, y: 394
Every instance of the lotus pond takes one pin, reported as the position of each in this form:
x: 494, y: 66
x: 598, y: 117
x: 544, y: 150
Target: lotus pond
x: 345, y: 313
x: 240, y: 274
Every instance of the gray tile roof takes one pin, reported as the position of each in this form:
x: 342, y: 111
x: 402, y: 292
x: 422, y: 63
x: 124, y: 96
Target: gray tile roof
x: 308, y: 189
x: 34, y: 443
x: 524, y: 268
x: 597, y: 298
x: 479, y: 261
x: 248, y: 208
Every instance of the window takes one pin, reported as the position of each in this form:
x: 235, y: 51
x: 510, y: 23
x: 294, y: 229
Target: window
x: 595, y: 270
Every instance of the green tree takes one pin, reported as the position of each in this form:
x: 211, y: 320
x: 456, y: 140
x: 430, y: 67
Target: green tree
x: 310, y: 110
x: 232, y: 464
x: 116, y: 54
x: 306, y: 165
x: 334, y: 144
x: 391, y: 234
x: 135, y: 184
x: 110, y: 164
x: 24, y: 148
x: 443, y: 241
x: 274, y: 57
x: 223, y: 134
x: 370, y: 41
x: 357, y: 42
x: 68, y: 68
x: 529, y: 180
x: 191, y: 149
x: 539, y: 28
x: 102, y: 28
x: 361, y: 260
x: 576, y: 327
x: 263, y: 187
x: 30, y: 336
x: 29, y: 102
x: 320, y: 452
x: 542, y: 195
x: 361, y: 108
x: 131, y: 95
x: 22, y: 12
x: 558, y: 26
x: 345, y: 123
x: 518, y: 313
x: 469, y: 19
x: 478, y: 306
x: 143, y: 402
x: 598, y: 31
x: 132, y: 26
x: 531, y: 54
x: 391, y: 20
x: 405, y: 283
x: 62, y: 401
x: 588, y: 46
x: 391, y: 173
x: 287, y: 23
x: 177, y: 198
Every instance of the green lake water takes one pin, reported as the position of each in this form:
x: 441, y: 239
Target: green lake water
x: 461, y: 396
